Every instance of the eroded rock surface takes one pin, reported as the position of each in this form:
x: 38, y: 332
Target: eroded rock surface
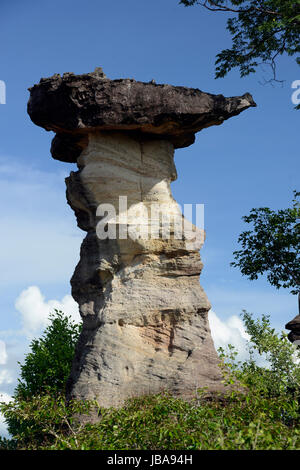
x: 74, y: 105
x: 145, y: 326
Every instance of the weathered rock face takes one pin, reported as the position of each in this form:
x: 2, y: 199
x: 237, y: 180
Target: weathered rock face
x: 144, y: 312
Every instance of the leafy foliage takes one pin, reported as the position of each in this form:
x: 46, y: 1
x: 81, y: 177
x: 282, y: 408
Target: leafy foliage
x: 43, y: 420
x: 261, y: 31
x: 280, y: 376
x: 48, y: 364
x: 272, y: 246
x: 46, y: 367
x: 162, y: 422
x: 264, y: 416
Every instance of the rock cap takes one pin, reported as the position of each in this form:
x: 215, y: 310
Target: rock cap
x: 74, y: 105
x: 294, y: 327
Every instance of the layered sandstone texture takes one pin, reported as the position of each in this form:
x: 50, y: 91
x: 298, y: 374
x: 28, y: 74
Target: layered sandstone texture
x: 145, y: 325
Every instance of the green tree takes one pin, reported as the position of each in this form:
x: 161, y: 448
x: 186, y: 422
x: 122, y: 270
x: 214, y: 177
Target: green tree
x: 280, y: 376
x: 272, y: 247
x: 46, y: 368
x: 261, y: 31
x: 47, y: 365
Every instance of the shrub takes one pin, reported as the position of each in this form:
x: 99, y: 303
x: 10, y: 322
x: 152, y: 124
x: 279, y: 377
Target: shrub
x: 160, y: 422
x: 266, y: 416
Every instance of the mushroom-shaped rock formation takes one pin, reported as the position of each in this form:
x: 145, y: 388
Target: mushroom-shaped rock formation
x: 145, y: 325
x: 294, y: 327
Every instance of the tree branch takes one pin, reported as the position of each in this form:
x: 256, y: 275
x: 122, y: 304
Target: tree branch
x: 219, y: 7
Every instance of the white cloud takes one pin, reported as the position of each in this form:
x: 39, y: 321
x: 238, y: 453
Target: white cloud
x: 3, y: 353
x: 5, y: 377
x: 3, y: 428
x: 35, y: 310
x: 5, y: 397
x: 230, y: 331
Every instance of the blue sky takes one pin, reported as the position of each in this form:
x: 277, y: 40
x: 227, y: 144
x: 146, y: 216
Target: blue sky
x: 250, y: 161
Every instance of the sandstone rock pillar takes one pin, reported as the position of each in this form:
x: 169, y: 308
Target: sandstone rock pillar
x: 145, y: 326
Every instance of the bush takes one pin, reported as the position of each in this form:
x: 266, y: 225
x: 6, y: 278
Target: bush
x: 265, y: 417
x: 160, y: 422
